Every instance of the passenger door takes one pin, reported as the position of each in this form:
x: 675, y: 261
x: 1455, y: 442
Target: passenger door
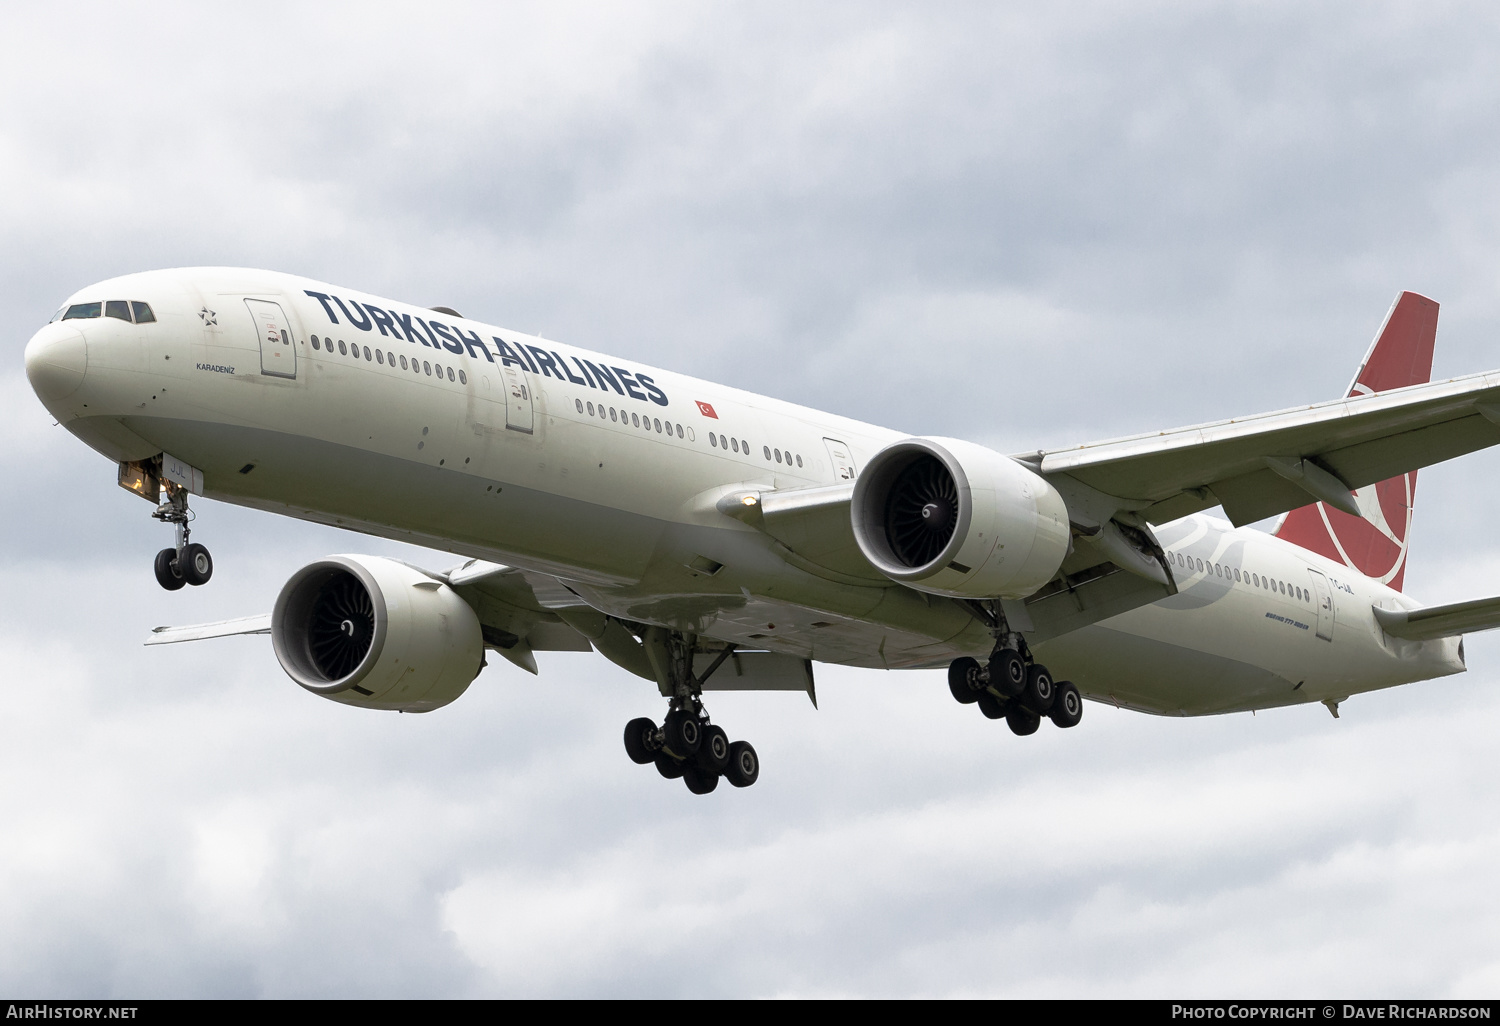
x: 518, y: 413
x: 278, y: 353
x: 843, y: 462
x: 1324, y: 596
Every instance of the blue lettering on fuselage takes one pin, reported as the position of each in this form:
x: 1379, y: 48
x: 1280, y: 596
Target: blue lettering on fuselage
x: 553, y: 364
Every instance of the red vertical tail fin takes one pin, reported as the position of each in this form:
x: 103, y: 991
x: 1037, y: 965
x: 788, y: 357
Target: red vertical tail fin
x: 1375, y: 542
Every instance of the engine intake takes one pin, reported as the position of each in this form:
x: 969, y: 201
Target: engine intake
x: 952, y: 518
x: 373, y: 632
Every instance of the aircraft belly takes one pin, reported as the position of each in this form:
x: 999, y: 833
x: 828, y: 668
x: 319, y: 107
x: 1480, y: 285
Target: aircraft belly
x: 630, y: 565
x: 1156, y: 676
x: 386, y: 495
x: 1230, y: 651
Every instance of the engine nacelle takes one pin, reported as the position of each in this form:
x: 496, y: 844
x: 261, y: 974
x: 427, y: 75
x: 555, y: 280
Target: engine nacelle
x: 952, y: 518
x: 376, y: 633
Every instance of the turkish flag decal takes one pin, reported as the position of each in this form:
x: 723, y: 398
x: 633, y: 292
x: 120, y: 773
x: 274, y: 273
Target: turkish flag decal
x: 705, y: 409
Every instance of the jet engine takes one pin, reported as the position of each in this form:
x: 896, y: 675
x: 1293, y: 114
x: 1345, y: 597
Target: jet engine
x: 952, y: 518
x: 376, y: 633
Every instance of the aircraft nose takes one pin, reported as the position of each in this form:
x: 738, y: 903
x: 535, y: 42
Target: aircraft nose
x: 56, y: 359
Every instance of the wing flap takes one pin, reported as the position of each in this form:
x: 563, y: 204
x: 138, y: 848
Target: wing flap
x: 1446, y: 621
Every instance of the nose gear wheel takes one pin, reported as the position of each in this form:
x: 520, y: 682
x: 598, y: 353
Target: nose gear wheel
x: 187, y: 562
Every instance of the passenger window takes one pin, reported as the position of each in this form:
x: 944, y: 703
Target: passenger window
x: 379, y: 357
x: 439, y: 368
x: 463, y: 379
x: 1200, y: 566
x: 799, y: 462
x: 635, y: 420
x: 611, y: 413
x: 427, y: 368
x: 143, y: 314
x: 117, y: 308
x: 713, y: 439
x: 579, y: 404
x: 83, y: 311
x: 745, y: 446
x: 657, y: 424
x: 403, y: 363
x: 341, y: 348
x: 736, y: 443
x: 315, y: 342
x: 591, y: 409
x: 450, y: 373
x: 679, y: 430
x: 767, y: 448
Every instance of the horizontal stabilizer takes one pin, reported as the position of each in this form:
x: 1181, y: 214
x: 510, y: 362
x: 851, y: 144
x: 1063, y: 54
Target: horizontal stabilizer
x: 1440, y: 621
x: 220, y: 629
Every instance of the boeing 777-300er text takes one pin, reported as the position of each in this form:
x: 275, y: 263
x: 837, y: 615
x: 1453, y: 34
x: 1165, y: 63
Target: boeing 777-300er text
x: 706, y: 538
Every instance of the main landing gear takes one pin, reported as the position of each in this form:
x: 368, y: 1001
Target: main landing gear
x: 1012, y: 686
x: 686, y: 744
x: 187, y: 562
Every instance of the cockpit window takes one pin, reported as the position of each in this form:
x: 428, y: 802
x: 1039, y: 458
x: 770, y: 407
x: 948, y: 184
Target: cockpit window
x: 143, y: 314
x: 58, y: 316
x: 81, y: 310
x: 117, y: 308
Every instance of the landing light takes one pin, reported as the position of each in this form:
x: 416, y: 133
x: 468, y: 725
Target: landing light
x: 749, y: 500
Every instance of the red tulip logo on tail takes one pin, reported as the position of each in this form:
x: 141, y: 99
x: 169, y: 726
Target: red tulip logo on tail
x: 1375, y: 542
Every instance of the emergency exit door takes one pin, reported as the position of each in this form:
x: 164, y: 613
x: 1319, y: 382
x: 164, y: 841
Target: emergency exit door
x: 278, y: 350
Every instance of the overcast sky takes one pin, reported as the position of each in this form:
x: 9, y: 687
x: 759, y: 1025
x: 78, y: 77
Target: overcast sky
x: 1030, y: 226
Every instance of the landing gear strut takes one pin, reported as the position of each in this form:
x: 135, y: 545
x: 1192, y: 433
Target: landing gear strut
x: 686, y: 744
x: 1012, y: 685
x: 187, y: 562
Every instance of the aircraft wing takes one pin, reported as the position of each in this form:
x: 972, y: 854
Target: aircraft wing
x: 219, y: 629
x: 1446, y: 621
x: 515, y: 622
x: 1266, y: 464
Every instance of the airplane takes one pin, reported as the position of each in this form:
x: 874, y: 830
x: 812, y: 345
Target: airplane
x: 705, y: 538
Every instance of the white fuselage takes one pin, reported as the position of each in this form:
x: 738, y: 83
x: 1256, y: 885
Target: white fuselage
x: 605, y: 473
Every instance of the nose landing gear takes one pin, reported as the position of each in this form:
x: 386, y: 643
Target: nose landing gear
x: 187, y: 562
x: 686, y: 744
